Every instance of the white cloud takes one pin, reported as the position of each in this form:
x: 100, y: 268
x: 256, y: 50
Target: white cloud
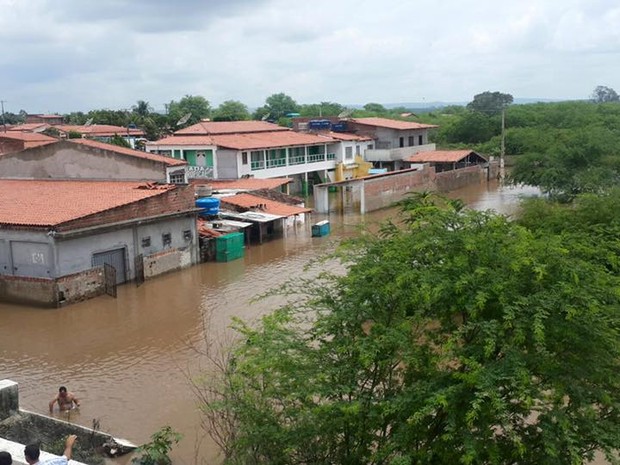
x: 66, y: 55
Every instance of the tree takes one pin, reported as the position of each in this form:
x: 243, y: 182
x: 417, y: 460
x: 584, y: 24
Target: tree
x: 231, y: 110
x: 277, y: 106
x: 431, y: 350
x: 603, y: 94
x: 321, y: 109
x: 120, y: 141
x: 195, y: 106
x: 490, y: 103
x: 142, y: 108
x: 375, y: 108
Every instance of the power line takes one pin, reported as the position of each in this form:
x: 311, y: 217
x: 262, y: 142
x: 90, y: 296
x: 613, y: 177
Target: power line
x: 3, y: 122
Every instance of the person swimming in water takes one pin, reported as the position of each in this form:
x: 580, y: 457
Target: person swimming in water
x: 66, y: 400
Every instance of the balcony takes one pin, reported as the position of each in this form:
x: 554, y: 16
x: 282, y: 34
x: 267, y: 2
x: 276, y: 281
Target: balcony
x: 387, y: 155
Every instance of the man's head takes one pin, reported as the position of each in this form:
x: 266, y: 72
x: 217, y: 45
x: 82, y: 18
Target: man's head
x: 5, y: 458
x: 62, y: 391
x: 31, y: 452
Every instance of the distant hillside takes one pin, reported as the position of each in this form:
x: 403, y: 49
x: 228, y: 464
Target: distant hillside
x: 439, y: 104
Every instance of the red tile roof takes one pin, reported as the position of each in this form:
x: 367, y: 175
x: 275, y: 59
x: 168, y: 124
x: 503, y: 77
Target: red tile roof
x: 392, y: 123
x: 440, y: 156
x: 244, y: 184
x: 266, y: 140
x: 347, y: 136
x: 249, y: 202
x: 29, y: 127
x: 47, y: 203
x: 173, y: 141
x: 27, y: 136
x: 99, y: 130
x: 129, y: 152
x: 245, y: 141
x: 229, y: 127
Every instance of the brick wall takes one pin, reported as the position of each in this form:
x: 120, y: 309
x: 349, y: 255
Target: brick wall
x: 176, y: 200
x: 34, y: 291
x: 10, y: 145
x: 80, y: 286
x: 383, y: 190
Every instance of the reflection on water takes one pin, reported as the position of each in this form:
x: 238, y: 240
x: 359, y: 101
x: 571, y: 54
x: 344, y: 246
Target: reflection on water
x: 127, y: 359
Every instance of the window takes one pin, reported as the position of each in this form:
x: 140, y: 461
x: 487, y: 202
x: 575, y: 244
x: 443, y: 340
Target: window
x: 357, y: 150
x: 244, y: 158
x: 370, y: 147
x: 420, y: 140
x: 146, y: 241
x: 178, y: 177
x: 411, y: 141
x: 348, y: 153
x: 401, y: 142
x: 166, y: 239
x: 187, y: 235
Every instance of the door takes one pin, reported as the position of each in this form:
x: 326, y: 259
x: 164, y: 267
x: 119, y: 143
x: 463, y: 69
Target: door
x: 115, y: 258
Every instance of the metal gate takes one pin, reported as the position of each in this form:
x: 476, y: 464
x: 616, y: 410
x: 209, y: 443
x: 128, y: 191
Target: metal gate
x: 116, y: 258
x: 109, y: 278
x: 139, y: 269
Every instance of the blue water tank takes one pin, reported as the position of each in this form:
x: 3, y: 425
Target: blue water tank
x: 210, y: 206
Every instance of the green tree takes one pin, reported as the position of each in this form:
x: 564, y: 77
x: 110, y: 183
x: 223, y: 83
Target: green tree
x: 120, y: 141
x: 231, y: 110
x: 431, y: 350
x: 277, y: 106
x: 376, y: 108
x: 604, y: 94
x: 321, y: 109
x: 196, y: 106
x: 142, y: 108
x: 490, y: 103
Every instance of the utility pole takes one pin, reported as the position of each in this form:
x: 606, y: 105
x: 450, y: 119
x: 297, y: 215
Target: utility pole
x: 3, y: 123
x: 502, y: 153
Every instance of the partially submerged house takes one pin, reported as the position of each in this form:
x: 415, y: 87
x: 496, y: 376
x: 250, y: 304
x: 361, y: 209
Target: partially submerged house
x: 446, y: 160
x: 270, y: 218
x: 89, y: 159
x: 63, y: 241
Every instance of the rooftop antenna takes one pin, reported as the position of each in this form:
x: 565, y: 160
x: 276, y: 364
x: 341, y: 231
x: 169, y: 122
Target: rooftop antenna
x: 88, y: 122
x: 345, y: 113
x: 184, y: 119
x: 265, y: 117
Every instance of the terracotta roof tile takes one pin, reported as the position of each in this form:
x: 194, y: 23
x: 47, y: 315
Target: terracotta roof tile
x: 249, y: 202
x: 347, y: 136
x: 229, y: 127
x: 440, y: 156
x: 29, y: 127
x: 129, y: 152
x: 99, y: 130
x: 392, y: 123
x: 173, y: 141
x: 51, y: 202
x: 27, y: 136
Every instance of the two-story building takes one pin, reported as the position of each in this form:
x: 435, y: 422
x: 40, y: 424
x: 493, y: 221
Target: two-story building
x: 233, y: 150
x: 394, y: 140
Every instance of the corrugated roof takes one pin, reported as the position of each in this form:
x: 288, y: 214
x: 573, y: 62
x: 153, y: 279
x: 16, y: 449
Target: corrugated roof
x: 263, y: 205
x: 229, y: 127
x: 128, y: 152
x: 440, y: 156
x: 392, y: 123
x: 47, y: 203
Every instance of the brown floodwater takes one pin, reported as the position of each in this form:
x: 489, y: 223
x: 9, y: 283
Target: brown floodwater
x: 130, y: 360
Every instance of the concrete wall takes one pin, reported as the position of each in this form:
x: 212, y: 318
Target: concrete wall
x: 226, y: 164
x: 166, y: 261
x: 455, y: 179
x: 9, y: 398
x: 68, y: 160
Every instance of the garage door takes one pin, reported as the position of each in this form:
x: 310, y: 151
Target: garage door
x: 115, y: 258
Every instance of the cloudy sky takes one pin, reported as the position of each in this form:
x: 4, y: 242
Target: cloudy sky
x: 70, y: 55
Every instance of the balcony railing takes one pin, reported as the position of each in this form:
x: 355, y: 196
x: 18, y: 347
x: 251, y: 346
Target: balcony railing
x: 258, y: 165
x: 276, y: 162
x: 300, y: 160
x: 314, y: 158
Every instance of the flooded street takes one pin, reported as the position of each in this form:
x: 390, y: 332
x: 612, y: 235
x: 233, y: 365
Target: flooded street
x: 127, y: 359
